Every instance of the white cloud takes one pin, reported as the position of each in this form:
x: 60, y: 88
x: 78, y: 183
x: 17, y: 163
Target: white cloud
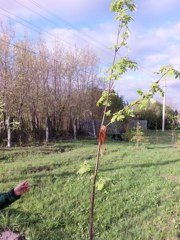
x: 98, y: 40
x: 153, y: 51
x: 71, y: 10
x: 155, y: 59
x: 160, y: 6
x: 156, y: 47
x: 152, y: 47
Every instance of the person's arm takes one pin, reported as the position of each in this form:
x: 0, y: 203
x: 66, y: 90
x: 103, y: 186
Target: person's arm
x: 9, y: 197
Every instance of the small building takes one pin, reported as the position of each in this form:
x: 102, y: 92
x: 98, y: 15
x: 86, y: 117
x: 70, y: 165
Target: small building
x: 91, y: 127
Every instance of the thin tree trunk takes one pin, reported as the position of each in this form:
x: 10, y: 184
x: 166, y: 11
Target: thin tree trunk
x: 94, y: 128
x: 93, y: 194
x: 8, y: 132
x: 47, y: 129
x: 75, y: 129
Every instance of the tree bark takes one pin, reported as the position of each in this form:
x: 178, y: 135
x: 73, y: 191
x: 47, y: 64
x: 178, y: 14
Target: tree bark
x: 94, y: 128
x: 47, y: 130
x: 75, y: 129
x: 8, y: 132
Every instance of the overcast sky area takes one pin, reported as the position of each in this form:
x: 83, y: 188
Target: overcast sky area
x: 154, y: 40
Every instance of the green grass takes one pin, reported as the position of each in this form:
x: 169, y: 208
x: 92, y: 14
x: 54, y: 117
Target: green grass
x: 141, y: 199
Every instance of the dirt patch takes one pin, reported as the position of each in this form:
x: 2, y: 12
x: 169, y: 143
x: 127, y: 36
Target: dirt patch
x: 53, y: 151
x: 178, y: 236
x: 10, y: 235
x: 90, y: 157
x: 172, y: 178
x: 56, y: 165
x: 10, y: 155
x: 44, y: 168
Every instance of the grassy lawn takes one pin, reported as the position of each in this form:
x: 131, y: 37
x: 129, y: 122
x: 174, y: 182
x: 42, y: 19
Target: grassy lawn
x: 141, y: 199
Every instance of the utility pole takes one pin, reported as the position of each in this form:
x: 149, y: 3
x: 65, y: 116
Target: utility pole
x: 164, y: 107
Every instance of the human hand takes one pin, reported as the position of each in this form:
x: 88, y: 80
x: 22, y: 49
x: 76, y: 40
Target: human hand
x: 21, y: 188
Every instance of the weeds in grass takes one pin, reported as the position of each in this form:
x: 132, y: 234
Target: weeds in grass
x: 137, y: 203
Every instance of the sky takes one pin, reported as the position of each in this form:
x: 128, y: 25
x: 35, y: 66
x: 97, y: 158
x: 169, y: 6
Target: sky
x: 154, y: 39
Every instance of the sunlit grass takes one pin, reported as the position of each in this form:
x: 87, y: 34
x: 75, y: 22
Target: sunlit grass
x: 140, y: 201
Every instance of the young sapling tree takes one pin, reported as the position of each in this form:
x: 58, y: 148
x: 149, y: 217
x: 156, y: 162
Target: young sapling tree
x: 123, y: 10
x: 138, y: 136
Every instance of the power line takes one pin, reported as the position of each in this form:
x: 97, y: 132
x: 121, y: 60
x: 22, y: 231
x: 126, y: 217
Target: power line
x: 147, y: 71
x: 22, y: 48
x: 36, y: 12
x: 27, y: 27
x: 7, y: 16
x: 39, y: 54
x: 72, y: 27
x: 68, y: 24
x: 51, y: 35
x: 34, y: 26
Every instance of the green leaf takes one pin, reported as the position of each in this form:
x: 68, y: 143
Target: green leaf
x: 143, y: 103
x: 14, y: 125
x: 152, y: 101
x: 108, y: 113
x: 85, y: 168
x: 113, y: 119
x: 170, y: 73
x: 103, y: 99
x: 131, y: 104
x: 140, y: 92
x: 118, y: 69
x: 102, y: 183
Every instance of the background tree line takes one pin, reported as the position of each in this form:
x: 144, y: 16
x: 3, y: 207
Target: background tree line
x: 46, y: 93
x: 153, y: 114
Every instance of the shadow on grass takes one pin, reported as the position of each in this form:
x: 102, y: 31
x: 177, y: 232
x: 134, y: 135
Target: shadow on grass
x: 3, y: 158
x: 39, y: 176
x: 159, y: 146
x: 20, y: 217
x: 143, y: 165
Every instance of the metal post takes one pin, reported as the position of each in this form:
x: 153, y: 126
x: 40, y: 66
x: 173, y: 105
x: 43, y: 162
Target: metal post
x: 164, y: 107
